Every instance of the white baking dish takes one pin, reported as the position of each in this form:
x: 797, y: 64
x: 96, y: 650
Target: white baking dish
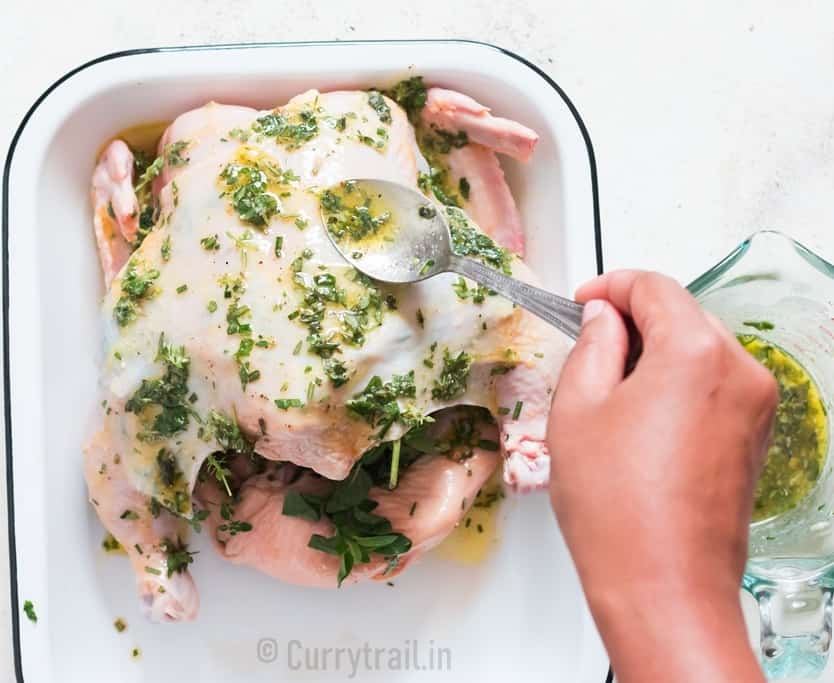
x: 518, y: 615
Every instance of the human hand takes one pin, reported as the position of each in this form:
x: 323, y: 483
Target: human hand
x: 652, y: 478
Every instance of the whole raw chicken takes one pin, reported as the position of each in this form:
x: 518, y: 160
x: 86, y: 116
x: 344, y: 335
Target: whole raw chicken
x: 257, y: 386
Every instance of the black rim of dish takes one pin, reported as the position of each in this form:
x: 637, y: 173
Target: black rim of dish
x: 14, y: 605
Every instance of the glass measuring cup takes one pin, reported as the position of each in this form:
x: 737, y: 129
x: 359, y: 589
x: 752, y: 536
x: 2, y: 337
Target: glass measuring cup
x: 790, y: 570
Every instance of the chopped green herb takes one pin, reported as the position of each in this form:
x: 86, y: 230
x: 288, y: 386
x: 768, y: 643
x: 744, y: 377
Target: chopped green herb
x: 426, y: 267
x: 517, y: 409
x: 210, y: 242
x: 212, y: 306
x: 120, y: 625
x: 165, y: 249
x: 287, y: 403
x: 247, y: 186
x: 468, y: 241
x: 110, y: 544
x: 289, y: 129
x: 377, y: 402
x: 136, y: 287
x: 177, y: 556
x: 349, y: 212
x: 168, y: 392
x: 761, y: 325
x: 379, y: 105
x: 129, y: 514
x: 410, y: 94
x: 182, y: 288
x: 173, y: 153
x: 453, y: 377
x: 463, y: 188
x: 279, y: 245
x: 336, y: 371
x: 29, y: 611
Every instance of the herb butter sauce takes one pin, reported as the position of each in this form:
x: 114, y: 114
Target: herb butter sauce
x: 797, y: 452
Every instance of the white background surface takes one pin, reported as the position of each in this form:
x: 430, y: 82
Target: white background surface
x: 709, y: 121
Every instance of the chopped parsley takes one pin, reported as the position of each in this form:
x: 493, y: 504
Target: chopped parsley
x: 349, y: 213
x: 289, y: 129
x: 210, y: 242
x: 136, y: 286
x: 336, y: 371
x: 29, y: 611
x: 380, y: 106
x: 173, y: 153
x: 167, y: 393
x: 120, y: 625
x: 377, y: 403
x: 469, y: 241
x: 247, y: 186
x: 233, y: 527
x: 477, y: 293
x: 182, y: 288
x: 410, y: 94
x: 165, y: 249
x: 177, y: 556
x: 452, y: 381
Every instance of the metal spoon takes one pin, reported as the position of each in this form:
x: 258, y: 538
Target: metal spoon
x: 420, y: 247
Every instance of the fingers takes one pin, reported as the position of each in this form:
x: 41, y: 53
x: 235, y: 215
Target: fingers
x: 595, y: 365
x: 659, y: 306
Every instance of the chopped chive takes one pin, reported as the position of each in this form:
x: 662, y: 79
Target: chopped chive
x: 286, y: 403
x: 279, y: 244
x: 517, y: 410
x: 413, y: 508
x: 426, y: 267
x: 212, y: 306
x: 297, y: 349
x: 153, y: 570
x: 182, y: 288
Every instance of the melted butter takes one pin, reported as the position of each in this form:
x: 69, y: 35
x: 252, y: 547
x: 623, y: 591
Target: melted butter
x: 475, y: 537
x: 362, y: 222
x: 799, y: 446
x: 143, y: 137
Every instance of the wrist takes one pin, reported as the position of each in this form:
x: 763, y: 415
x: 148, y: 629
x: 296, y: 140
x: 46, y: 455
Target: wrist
x: 675, y: 634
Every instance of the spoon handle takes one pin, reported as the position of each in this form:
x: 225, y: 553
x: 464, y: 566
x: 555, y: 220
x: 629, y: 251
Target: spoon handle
x: 562, y: 313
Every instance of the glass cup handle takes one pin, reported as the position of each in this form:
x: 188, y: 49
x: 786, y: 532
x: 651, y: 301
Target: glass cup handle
x: 787, y: 652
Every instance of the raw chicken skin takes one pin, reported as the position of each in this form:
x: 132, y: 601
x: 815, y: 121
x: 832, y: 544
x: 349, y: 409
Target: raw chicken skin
x: 490, y: 203
x: 194, y: 293
x: 453, y: 111
x: 115, y: 209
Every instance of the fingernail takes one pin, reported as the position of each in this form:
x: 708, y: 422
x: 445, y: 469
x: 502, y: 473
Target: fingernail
x: 592, y: 309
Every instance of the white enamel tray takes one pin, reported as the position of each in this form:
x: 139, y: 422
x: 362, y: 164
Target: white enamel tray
x: 519, y: 615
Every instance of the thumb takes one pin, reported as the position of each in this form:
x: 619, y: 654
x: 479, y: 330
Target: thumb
x: 597, y: 362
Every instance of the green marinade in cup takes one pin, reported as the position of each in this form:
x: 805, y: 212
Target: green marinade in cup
x: 797, y: 452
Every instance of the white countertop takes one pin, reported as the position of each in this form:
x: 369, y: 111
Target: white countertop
x: 709, y: 120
